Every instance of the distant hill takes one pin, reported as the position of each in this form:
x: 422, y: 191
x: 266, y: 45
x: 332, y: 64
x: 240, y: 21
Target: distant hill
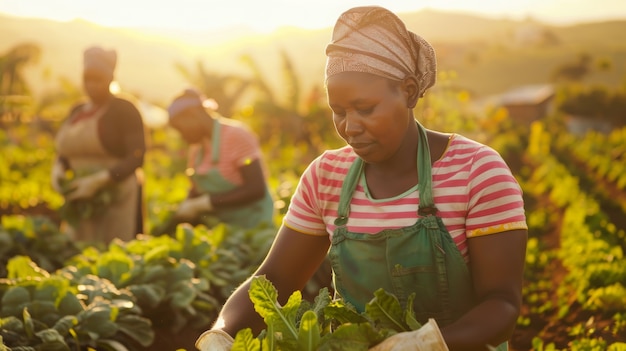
x: 488, y: 55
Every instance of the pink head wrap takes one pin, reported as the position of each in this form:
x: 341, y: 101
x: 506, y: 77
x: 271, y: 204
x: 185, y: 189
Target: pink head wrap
x: 374, y: 40
x: 98, y: 59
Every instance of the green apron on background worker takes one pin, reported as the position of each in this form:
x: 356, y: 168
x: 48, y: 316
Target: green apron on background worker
x: 247, y: 216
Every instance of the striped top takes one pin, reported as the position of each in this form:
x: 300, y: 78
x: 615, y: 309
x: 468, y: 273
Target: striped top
x: 238, y: 146
x: 473, y: 189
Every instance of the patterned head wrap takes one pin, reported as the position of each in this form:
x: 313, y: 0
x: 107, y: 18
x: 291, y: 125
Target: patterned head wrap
x: 98, y: 59
x: 374, y: 40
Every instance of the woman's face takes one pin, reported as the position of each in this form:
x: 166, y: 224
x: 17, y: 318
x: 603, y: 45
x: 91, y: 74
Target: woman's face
x: 189, y: 124
x: 96, y: 85
x: 370, y: 113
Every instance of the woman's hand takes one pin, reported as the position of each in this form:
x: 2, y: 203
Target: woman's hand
x: 426, y: 338
x: 214, y: 340
x: 57, y: 174
x: 192, y: 207
x: 86, y: 187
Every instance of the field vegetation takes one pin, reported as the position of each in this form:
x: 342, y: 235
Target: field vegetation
x: 161, y: 292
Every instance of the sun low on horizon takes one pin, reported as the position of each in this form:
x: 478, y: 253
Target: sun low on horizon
x: 267, y: 15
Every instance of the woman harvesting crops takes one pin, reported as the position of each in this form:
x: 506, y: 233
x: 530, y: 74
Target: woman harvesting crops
x: 229, y: 178
x: 410, y: 210
x: 101, y: 147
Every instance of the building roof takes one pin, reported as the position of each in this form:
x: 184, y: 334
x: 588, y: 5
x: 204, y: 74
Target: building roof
x: 527, y: 94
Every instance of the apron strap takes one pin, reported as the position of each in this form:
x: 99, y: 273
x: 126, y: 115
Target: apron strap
x: 215, y: 145
x: 347, y: 189
x: 425, y: 185
x: 215, y: 142
x: 424, y: 173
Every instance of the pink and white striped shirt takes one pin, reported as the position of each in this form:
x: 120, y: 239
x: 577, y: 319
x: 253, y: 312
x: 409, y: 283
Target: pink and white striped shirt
x: 473, y: 188
x: 238, y: 147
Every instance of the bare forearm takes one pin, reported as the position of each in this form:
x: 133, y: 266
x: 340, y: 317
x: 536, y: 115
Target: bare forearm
x: 252, y: 189
x: 238, y: 313
x: 490, y: 323
x: 236, y: 197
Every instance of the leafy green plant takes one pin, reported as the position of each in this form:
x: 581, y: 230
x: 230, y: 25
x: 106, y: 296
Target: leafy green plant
x: 36, y: 237
x: 179, y: 281
x: 75, y: 211
x: 41, y: 311
x: 325, y: 324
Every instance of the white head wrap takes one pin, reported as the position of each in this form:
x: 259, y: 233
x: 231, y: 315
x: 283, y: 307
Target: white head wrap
x: 374, y: 40
x: 190, y: 98
x: 98, y: 59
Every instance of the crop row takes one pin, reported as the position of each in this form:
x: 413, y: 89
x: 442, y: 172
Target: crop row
x: 594, y: 263
x: 121, y: 295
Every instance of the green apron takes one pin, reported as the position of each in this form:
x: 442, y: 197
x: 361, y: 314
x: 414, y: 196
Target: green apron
x: 421, y: 259
x: 246, y: 216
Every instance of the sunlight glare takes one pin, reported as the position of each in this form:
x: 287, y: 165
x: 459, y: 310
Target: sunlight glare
x: 268, y: 15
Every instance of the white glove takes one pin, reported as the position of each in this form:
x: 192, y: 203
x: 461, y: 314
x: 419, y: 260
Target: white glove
x: 192, y: 207
x: 214, y: 340
x: 86, y: 187
x: 426, y: 338
x: 57, y: 174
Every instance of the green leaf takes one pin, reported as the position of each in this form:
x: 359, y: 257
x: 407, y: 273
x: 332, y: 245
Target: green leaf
x: 52, y: 289
x: 12, y: 323
x: 185, y: 234
x: 70, y: 305
x: 184, y: 270
x: 43, y: 311
x: 148, y: 295
x: 290, y: 309
x: 269, y: 342
x: 110, y: 345
x: 153, y: 273
x: 3, y: 347
x: 29, y: 325
x: 617, y: 346
x: 63, y: 325
x: 351, y: 337
x: 245, y: 341
x: 20, y: 267
x: 158, y: 253
x: 16, y: 295
x: 343, y: 313
x: 98, y: 321
x: 52, y: 340
x: 114, y: 266
x: 136, y: 327
x: 409, y: 314
x: 320, y: 302
x: 183, y: 293
x: 385, y: 310
x: 309, y: 334
x: 264, y: 296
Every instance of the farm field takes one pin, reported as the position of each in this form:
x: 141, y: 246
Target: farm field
x: 574, y: 293
x: 159, y: 293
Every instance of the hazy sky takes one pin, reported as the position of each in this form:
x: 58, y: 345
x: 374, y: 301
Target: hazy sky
x: 265, y: 15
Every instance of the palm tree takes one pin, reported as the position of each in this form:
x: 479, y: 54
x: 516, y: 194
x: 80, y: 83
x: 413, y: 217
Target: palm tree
x: 14, y: 90
x: 293, y: 120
